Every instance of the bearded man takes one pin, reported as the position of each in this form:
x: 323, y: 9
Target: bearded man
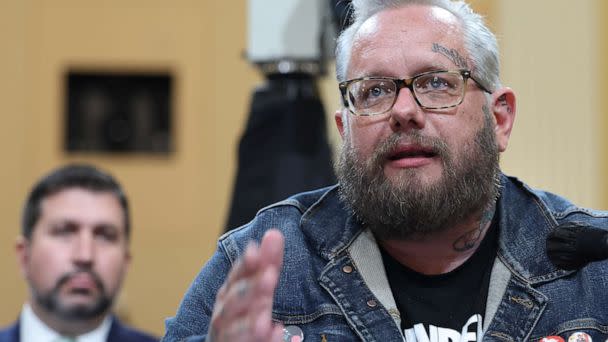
x: 74, y: 253
x: 423, y: 239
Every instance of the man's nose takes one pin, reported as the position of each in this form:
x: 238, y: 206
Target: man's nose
x: 84, y: 249
x: 406, y: 114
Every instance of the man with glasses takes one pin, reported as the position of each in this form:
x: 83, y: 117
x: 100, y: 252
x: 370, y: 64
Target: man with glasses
x: 424, y: 239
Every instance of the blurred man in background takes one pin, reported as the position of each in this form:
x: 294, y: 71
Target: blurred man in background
x: 74, y: 253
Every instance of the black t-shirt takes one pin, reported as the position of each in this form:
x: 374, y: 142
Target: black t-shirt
x: 447, y: 305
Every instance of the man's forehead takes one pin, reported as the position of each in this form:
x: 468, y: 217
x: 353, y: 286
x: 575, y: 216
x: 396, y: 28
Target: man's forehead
x: 82, y: 196
x: 407, y: 17
x: 82, y: 204
x: 403, y: 41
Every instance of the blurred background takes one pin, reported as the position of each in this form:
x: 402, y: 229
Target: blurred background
x: 181, y: 181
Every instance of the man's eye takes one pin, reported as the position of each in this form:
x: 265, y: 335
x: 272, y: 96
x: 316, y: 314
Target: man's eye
x: 438, y: 83
x: 62, y: 230
x: 107, y: 234
x: 375, y: 91
x: 432, y: 83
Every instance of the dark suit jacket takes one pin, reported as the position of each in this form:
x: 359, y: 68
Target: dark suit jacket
x: 118, y: 333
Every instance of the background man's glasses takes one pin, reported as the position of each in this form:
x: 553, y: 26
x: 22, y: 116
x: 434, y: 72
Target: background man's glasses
x: 432, y: 90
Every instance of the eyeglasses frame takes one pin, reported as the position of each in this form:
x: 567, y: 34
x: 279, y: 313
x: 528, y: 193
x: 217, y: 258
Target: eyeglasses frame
x: 408, y: 83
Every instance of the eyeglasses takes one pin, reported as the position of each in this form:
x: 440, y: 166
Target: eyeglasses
x: 432, y: 90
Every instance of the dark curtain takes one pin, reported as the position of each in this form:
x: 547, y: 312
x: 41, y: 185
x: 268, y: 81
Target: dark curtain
x: 284, y: 149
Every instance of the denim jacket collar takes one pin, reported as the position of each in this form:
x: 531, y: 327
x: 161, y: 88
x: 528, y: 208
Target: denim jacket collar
x: 314, y: 223
x: 523, y: 250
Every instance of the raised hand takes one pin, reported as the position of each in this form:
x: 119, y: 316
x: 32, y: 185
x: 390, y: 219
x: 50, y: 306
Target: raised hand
x: 243, y: 306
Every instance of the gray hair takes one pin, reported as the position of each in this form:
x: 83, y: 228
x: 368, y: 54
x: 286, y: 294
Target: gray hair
x: 479, y: 41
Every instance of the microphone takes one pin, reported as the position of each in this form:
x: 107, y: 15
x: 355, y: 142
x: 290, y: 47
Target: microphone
x: 572, y: 246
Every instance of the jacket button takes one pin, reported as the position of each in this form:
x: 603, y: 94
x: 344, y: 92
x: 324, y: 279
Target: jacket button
x: 372, y: 303
x: 347, y: 269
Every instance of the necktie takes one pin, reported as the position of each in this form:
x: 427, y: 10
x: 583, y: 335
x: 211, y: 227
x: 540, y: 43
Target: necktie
x: 64, y: 339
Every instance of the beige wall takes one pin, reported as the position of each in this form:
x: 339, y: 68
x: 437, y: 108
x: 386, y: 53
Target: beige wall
x: 179, y: 202
x: 602, y: 13
x: 551, y: 57
x: 13, y: 140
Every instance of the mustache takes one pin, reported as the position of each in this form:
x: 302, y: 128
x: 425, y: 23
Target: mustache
x: 67, y: 276
x: 386, y: 147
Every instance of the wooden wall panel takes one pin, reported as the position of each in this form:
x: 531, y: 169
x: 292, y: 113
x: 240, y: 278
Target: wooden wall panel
x: 179, y: 202
x: 602, y: 13
x: 550, y: 57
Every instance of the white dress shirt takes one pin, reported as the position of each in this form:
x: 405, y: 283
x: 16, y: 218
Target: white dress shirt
x: 32, y: 329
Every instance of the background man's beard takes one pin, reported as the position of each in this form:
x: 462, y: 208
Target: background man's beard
x: 406, y: 207
x: 52, y: 302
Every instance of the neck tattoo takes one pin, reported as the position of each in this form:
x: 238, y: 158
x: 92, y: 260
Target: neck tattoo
x: 469, y: 240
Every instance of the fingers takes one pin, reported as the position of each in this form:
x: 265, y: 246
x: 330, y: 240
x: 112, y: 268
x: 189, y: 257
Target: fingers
x: 247, y: 264
x: 243, y: 308
x: 277, y: 333
x: 271, y: 249
x: 255, y: 258
x: 248, y: 296
x: 240, y: 331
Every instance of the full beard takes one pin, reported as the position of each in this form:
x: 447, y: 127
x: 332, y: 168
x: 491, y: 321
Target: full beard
x: 51, y: 301
x: 406, y: 208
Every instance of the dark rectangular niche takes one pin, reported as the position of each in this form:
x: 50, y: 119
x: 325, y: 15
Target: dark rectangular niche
x: 118, y: 112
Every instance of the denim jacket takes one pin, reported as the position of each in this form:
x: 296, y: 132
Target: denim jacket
x: 333, y: 285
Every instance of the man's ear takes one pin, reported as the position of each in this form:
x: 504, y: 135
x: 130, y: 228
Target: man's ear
x: 338, y: 117
x: 128, y: 257
x: 22, y: 249
x: 503, y: 108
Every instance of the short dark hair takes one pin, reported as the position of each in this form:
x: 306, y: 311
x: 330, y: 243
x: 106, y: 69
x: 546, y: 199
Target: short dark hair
x: 83, y: 176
